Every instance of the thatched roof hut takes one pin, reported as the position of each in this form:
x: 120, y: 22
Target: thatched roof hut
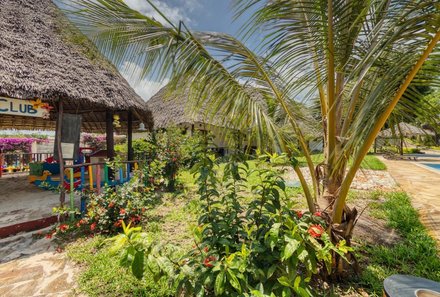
x: 407, y: 130
x: 42, y: 55
x: 174, y: 109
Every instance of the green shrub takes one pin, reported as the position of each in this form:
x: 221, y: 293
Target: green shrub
x: 263, y: 249
x: 106, y: 211
x: 411, y: 150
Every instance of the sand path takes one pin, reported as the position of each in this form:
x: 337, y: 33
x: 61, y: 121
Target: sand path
x: 423, y: 185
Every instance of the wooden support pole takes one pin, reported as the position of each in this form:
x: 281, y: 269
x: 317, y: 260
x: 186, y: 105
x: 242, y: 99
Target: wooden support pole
x: 110, y: 140
x: 72, y: 195
x: 130, y: 136
x: 60, y: 151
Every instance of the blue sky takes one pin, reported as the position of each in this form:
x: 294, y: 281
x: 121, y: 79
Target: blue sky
x: 200, y: 15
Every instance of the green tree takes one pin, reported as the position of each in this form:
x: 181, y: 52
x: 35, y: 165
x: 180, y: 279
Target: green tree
x: 356, y: 57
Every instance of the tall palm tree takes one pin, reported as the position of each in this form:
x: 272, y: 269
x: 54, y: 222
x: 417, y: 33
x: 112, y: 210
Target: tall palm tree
x: 356, y: 57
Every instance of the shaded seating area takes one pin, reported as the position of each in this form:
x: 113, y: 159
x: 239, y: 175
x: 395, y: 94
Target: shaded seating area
x: 53, y: 78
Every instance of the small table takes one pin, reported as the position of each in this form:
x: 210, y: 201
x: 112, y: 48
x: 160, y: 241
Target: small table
x: 399, y: 285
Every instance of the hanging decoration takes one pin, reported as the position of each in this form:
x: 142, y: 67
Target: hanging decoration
x: 116, y: 122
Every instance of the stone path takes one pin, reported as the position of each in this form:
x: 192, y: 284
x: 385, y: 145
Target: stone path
x: 46, y: 274
x: 424, y: 187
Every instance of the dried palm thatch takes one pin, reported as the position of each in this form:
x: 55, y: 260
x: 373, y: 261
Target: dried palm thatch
x: 407, y: 130
x: 174, y: 109
x: 42, y: 55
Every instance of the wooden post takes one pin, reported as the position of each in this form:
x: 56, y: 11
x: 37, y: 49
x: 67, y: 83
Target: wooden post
x: 1, y: 164
x: 60, y: 151
x: 130, y: 136
x: 110, y: 140
x: 71, y: 195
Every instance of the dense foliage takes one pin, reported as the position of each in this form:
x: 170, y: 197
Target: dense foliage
x: 261, y: 248
x: 165, y: 152
x: 107, y: 210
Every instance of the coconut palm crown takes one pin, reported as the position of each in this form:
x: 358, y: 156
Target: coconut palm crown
x: 355, y: 57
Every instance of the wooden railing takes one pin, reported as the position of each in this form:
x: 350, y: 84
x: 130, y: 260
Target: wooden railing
x: 95, y: 181
x: 20, y: 161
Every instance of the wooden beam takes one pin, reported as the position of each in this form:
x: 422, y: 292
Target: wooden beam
x: 110, y: 139
x: 60, y: 151
x: 130, y: 136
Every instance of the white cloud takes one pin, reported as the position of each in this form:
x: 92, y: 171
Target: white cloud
x: 174, y: 14
x: 145, y: 88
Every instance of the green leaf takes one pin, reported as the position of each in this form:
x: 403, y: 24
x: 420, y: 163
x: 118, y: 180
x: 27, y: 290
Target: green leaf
x: 137, y: 267
x: 219, y: 284
x: 271, y: 270
x: 291, y: 246
x: 234, y: 281
x: 297, y: 282
x: 284, y: 280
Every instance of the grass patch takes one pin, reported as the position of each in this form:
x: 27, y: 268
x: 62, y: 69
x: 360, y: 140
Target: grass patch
x: 415, y: 254
x: 103, y: 276
x: 369, y: 162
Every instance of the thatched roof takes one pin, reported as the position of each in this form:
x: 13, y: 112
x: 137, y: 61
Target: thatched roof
x: 42, y: 55
x: 173, y: 109
x: 406, y: 129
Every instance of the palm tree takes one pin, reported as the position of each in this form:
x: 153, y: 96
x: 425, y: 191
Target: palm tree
x: 355, y: 57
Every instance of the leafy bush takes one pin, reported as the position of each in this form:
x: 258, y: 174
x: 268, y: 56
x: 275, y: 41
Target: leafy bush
x: 263, y: 249
x: 165, y: 152
x: 106, y: 211
x: 411, y: 150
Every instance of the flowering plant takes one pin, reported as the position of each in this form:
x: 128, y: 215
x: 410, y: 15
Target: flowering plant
x: 264, y: 248
x: 23, y: 144
x: 106, y: 211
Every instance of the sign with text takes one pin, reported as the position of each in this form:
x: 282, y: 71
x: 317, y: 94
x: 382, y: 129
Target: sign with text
x: 27, y: 108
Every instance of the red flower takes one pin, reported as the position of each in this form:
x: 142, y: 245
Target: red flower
x: 93, y: 226
x: 208, y: 260
x: 111, y: 204
x: 143, y: 209
x: 299, y: 214
x: 135, y: 219
x: 318, y: 214
x: 122, y: 211
x: 206, y: 249
x: 80, y: 222
x: 118, y: 223
x: 49, y: 235
x: 63, y: 227
x: 316, y: 230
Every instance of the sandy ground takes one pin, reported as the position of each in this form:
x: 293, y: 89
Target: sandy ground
x: 21, y: 201
x: 364, y: 179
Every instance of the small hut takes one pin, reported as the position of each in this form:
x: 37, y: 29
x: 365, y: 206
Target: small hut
x: 173, y: 109
x: 44, y: 58
x: 400, y: 131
